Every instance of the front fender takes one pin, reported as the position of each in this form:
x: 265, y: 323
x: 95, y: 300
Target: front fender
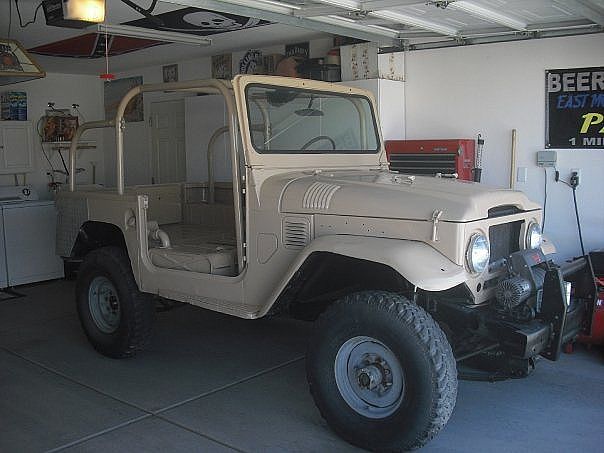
x: 416, y: 261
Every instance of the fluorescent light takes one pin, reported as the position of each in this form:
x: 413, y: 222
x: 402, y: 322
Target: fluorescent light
x: 280, y: 4
x: 267, y: 5
x: 349, y: 23
x: 405, y: 19
x: 85, y: 10
x: 488, y: 14
x: 345, y: 4
x: 149, y: 33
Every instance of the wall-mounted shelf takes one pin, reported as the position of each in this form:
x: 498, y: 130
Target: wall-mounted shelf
x: 67, y: 145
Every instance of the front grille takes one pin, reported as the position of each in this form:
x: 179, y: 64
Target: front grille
x: 504, y: 240
x: 499, y: 211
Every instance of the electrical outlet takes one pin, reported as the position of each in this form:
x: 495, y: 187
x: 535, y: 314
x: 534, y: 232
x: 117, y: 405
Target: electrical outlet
x: 575, y: 177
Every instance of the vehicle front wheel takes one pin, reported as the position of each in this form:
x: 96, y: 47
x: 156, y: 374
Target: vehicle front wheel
x: 116, y: 317
x: 381, y: 372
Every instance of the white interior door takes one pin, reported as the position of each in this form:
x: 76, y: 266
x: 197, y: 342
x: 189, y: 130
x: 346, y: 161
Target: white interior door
x: 204, y: 115
x: 168, y: 141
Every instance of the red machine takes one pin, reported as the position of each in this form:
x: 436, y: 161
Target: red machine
x: 596, y: 333
x: 429, y: 157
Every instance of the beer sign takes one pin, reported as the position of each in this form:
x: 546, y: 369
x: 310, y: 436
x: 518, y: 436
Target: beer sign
x: 574, y: 101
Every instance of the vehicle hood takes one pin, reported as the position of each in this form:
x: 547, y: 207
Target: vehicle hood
x: 391, y: 195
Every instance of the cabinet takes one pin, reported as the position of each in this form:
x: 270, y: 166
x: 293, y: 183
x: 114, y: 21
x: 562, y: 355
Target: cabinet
x: 16, y: 147
x: 29, y: 243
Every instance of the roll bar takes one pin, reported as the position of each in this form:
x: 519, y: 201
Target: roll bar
x: 209, y: 86
x: 210, y: 157
x: 74, y: 146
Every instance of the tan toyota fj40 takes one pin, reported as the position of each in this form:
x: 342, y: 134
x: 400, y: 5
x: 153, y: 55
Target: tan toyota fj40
x: 404, y: 277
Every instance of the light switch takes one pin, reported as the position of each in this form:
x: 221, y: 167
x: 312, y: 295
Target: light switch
x: 521, y: 174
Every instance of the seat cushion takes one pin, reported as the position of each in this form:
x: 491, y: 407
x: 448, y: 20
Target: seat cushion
x: 200, y: 258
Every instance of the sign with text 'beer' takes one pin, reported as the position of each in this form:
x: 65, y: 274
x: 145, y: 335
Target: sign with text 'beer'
x: 574, y: 108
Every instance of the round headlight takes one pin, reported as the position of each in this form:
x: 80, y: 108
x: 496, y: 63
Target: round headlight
x: 478, y: 253
x: 533, y: 236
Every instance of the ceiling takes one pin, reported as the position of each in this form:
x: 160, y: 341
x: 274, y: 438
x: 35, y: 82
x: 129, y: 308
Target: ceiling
x: 117, y: 12
x: 413, y: 24
x: 409, y: 24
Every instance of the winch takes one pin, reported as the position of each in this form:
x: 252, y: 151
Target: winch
x: 519, y: 295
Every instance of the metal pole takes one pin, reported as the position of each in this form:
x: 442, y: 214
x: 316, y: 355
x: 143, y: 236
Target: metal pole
x: 210, y: 156
x: 74, y: 146
x: 120, y: 125
x: 513, y: 159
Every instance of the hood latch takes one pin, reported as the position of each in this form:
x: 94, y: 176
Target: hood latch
x: 436, y: 215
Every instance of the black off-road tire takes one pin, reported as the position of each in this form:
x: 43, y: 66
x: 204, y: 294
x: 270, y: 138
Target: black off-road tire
x: 425, y: 356
x: 137, y: 310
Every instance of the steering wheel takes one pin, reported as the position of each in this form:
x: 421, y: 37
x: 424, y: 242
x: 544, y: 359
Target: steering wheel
x: 317, y: 139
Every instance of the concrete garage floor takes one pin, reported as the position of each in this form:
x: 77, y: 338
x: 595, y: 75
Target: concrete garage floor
x: 215, y: 383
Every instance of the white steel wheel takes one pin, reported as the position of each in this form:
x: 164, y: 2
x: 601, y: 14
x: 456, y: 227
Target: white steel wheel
x: 381, y: 371
x: 116, y: 317
x: 369, y: 377
x: 104, y: 304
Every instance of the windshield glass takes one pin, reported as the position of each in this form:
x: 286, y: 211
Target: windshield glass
x: 293, y: 120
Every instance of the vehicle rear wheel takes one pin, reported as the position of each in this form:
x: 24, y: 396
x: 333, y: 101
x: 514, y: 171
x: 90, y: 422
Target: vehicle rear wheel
x: 116, y: 317
x: 381, y: 372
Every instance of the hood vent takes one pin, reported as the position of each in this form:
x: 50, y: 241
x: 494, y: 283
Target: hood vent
x: 16, y: 65
x: 296, y: 232
x: 318, y: 195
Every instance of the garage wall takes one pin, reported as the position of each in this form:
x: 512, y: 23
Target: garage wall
x: 137, y: 139
x: 63, y: 90
x: 492, y: 89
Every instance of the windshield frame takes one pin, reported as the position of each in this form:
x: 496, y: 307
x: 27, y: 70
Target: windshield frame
x: 299, y: 152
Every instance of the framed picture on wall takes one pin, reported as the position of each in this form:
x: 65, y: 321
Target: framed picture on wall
x: 574, y: 108
x: 115, y: 90
x: 222, y: 66
x: 170, y: 73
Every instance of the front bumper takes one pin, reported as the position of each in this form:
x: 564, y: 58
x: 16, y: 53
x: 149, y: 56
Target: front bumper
x: 559, y: 317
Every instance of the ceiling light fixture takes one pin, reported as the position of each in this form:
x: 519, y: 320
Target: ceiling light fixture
x: 488, y: 14
x: 156, y: 35
x: 86, y: 10
x: 405, y: 19
x: 16, y: 64
x: 73, y: 13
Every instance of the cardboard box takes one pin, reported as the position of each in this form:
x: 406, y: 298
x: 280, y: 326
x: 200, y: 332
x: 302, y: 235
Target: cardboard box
x: 270, y: 62
x: 362, y: 61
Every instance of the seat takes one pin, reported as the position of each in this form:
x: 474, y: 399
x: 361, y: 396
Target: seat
x: 204, y: 258
x: 195, y: 248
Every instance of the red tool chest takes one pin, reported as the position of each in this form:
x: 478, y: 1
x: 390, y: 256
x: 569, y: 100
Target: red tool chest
x: 429, y: 157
